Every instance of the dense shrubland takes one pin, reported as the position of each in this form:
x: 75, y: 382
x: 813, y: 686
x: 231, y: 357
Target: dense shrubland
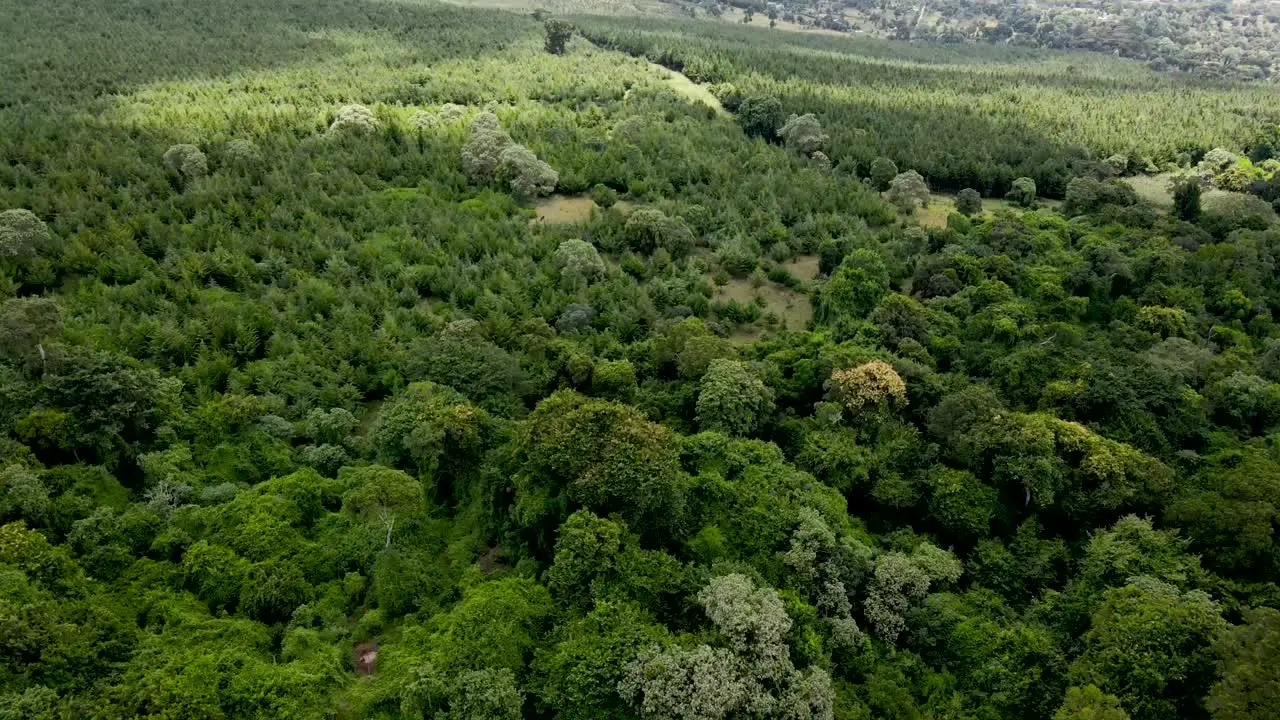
x: 303, y: 416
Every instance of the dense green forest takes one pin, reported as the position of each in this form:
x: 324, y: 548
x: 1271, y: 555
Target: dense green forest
x: 391, y: 359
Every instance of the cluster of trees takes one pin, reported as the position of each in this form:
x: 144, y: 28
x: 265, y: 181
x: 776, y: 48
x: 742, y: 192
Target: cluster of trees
x: 974, y: 116
x: 1208, y: 39
x: 303, y: 414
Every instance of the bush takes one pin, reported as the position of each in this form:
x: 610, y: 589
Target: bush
x: 604, y: 196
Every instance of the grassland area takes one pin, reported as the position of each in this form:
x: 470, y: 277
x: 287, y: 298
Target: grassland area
x: 405, y: 360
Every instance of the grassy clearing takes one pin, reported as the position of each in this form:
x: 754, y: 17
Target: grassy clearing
x: 1153, y: 188
x: 941, y: 205
x: 792, y: 308
x: 681, y: 85
x: 804, y: 267
x: 560, y: 209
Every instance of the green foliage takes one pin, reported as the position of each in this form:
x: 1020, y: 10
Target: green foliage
x: 1090, y: 703
x: 761, y: 116
x: 803, y: 134
x: 558, y: 33
x: 649, y: 229
x: 1248, y: 675
x: 968, y: 202
x: 1022, y: 192
x: 883, y: 171
x: 633, y: 468
x: 731, y: 399
x: 1186, y: 199
x: 331, y: 423
x: 1150, y: 645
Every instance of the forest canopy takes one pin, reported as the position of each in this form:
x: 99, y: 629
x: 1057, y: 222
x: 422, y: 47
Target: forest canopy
x: 388, y: 360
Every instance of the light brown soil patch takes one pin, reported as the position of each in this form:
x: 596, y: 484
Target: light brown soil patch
x: 559, y: 209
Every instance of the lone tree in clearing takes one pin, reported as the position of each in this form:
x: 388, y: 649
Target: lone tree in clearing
x: 968, y: 202
x: 909, y: 191
x: 558, y: 34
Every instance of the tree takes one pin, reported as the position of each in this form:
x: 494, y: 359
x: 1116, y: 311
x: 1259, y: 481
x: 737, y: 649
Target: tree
x: 579, y: 261
x: 586, y: 548
x: 558, y: 32
x: 633, y: 468
x: 28, y: 324
x: 883, y: 171
x: 854, y: 289
x: 761, y: 116
x: 186, y: 162
x: 433, y: 431
x: 908, y: 191
x: 732, y: 399
x: 496, y: 625
x: 1247, y: 669
x: 354, y: 119
x: 483, y: 151
x: 241, y: 155
x: 471, y: 695
x: 578, y: 674
x: 463, y: 359
x: 272, y: 590
x: 961, y: 503
x: 383, y: 494
x: 114, y: 404
x: 753, y: 678
x: 648, y: 229
x: 869, y: 386
x: 1022, y: 193
x: 1186, y: 198
x: 897, y: 583
x: 1090, y: 703
x: 23, y: 235
x: 528, y: 176
x: 1150, y: 645
x: 968, y: 202
x: 803, y: 134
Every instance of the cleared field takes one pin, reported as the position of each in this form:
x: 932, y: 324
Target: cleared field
x: 1153, y: 188
x: 792, y: 308
x: 559, y: 209
x: 941, y: 205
